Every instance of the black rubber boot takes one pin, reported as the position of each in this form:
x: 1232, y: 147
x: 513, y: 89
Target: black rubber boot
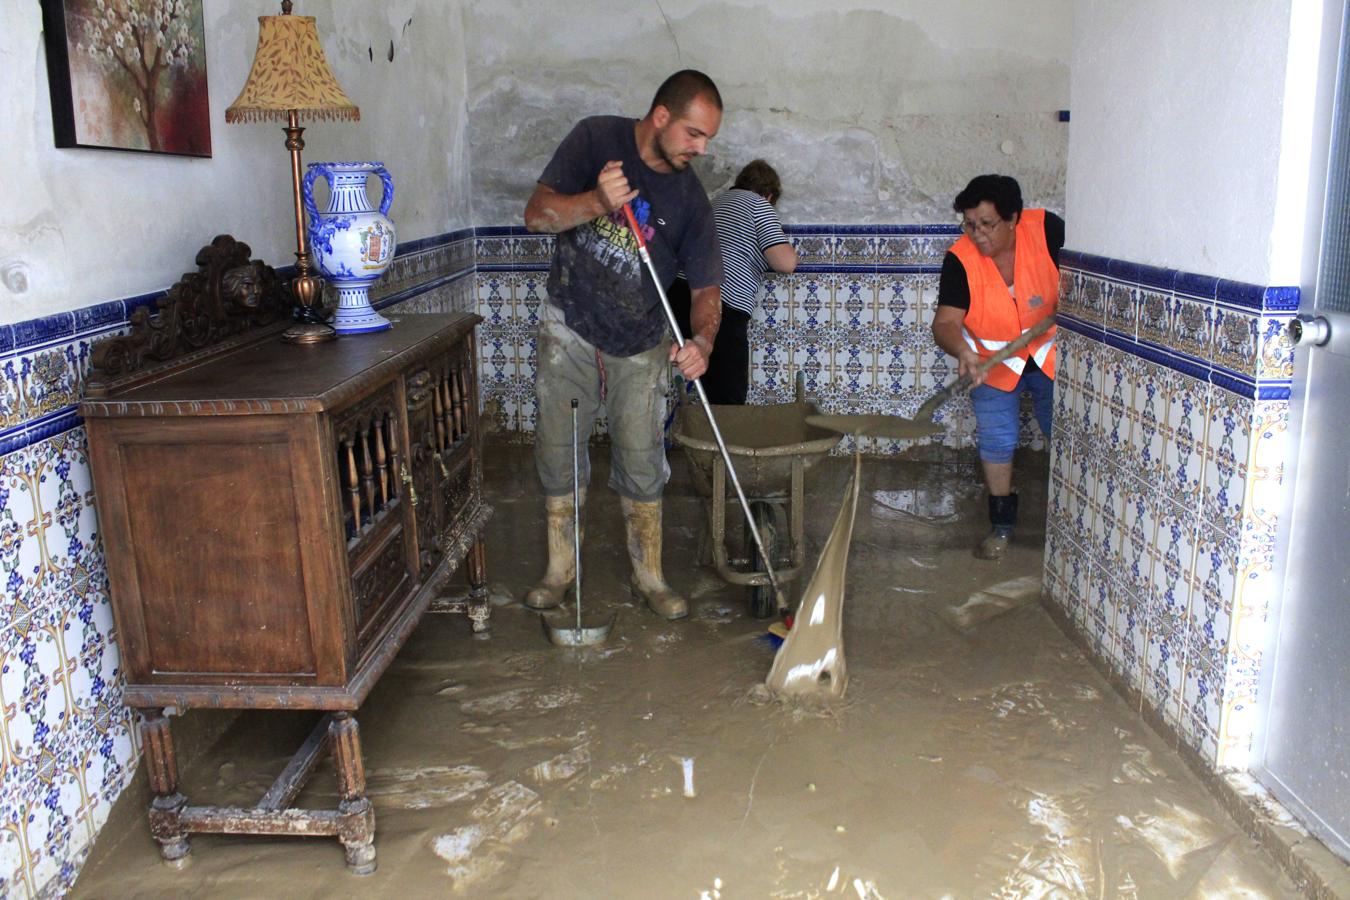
x: 1002, y: 520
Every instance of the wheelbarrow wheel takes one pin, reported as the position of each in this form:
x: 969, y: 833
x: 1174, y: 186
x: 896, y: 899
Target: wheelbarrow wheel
x: 760, y: 599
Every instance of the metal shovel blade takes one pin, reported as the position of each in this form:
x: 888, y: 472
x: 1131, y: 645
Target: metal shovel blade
x: 563, y: 630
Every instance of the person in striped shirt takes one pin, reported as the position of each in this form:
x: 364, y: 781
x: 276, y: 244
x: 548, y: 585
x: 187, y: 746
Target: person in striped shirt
x: 752, y: 242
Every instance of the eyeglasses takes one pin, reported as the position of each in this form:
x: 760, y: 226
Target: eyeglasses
x: 985, y: 227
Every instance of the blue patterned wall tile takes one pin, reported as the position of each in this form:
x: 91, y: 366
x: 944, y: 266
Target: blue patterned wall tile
x: 1235, y: 344
x: 107, y: 762
x: 1123, y: 270
x: 1196, y: 287
x: 1086, y: 262
x: 492, y: 250
x: 1201, y: 705
x: 1156, y: 278
x: 1139, y: 533
x: 1216, y: 559
x: 1121, y: 313
x: 532, y: 249
x: 815, y: 248
x: 1240, y: 293
x: 1101, y: 613
x: 855, y: 245
x: 1164, y: 665
x: 1275, y: 349
x: 1148, y: 410
x: 1281, y: 299
x: 1225, y: 469
x: 1129, y: 644
x: 101, y: 316
x: 1092, y: 300
x: 35, y: 332
x: 1154, y: 313
x: 1192, y: 326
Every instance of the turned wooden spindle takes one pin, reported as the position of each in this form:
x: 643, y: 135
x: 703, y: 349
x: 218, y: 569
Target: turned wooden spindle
x: 382, y: 465
x: 353, y: 492
x: 367, y: 471
x: 450, y: 408
x: 458, y: 394
x: 395, y: 463
x: 438, y: 413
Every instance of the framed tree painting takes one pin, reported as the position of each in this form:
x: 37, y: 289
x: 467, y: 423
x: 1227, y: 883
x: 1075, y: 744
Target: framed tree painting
x: 128, y: 75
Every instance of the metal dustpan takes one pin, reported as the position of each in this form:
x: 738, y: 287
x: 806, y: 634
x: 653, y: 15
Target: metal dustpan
x: 564, y: 631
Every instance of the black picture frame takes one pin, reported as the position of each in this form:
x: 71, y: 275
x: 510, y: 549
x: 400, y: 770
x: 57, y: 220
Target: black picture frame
x: 118, y: 82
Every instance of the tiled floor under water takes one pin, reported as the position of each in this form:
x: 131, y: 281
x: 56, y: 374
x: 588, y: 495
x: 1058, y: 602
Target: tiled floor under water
x: 976, y: 754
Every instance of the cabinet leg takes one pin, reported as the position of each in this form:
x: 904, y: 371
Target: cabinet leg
x: 479, y: 607
x: 357, y: 830
x: 167, y: 805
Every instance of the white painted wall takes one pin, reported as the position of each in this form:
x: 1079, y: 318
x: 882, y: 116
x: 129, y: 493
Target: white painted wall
x: 1190, y: 141
x: 86, y: 226
x: 872, y: 111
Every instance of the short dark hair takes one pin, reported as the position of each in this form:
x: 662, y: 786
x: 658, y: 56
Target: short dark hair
x: 680, y: 89
x: 759, y: 176
x: 1001, y: 190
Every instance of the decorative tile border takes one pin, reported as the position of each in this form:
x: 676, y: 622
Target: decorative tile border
x: 1167, y: 471
x: 1229, y: 333
x: 854, y: 319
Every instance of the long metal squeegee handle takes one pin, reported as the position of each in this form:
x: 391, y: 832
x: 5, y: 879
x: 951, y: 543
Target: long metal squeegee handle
x: 703, y: 399
x: 576, y: 509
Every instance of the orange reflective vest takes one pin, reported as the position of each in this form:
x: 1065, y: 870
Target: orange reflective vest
x: 996, y: 316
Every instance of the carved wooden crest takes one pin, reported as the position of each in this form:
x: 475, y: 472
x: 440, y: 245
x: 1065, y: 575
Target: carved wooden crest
x: 228, y: 296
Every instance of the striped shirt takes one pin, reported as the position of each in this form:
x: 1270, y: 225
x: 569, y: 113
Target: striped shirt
x: 747, y: 225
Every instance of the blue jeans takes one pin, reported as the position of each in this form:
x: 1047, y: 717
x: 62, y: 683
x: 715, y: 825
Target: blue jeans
x: 996, y: 413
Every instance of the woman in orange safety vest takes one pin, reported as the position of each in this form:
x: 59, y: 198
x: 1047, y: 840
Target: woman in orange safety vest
x: 998, y: 280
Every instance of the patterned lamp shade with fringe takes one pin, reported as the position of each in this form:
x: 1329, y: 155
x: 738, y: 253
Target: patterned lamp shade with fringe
x: 290, y: 72
x: 290, y: 79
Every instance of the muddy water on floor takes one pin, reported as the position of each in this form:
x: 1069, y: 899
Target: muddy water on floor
x: 977, y: 754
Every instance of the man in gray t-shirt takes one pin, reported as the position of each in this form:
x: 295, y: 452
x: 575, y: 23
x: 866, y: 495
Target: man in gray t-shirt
x: 603, y: 338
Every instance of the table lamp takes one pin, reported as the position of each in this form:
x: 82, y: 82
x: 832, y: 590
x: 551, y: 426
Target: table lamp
x: 290, y: 78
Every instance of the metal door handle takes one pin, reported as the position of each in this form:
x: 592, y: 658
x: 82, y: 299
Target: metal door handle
x: 1314, y: 331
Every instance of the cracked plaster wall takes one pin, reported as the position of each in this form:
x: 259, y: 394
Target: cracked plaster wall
x: 872, y: 112
x: 82, y: 226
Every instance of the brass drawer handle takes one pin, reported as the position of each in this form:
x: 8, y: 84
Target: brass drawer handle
x: 407, y: 479
x: 445, y: 473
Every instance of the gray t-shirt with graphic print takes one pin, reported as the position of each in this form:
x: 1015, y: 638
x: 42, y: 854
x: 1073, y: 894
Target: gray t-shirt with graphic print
x: 597, y: 278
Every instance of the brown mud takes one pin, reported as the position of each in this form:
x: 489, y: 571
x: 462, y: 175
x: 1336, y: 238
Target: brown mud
x: 977, y: 753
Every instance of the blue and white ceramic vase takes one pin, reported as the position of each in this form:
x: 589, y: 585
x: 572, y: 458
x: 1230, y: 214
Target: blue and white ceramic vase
x: 352, y: 242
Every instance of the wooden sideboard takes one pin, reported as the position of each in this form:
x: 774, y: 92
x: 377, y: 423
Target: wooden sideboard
x: 276, y: 519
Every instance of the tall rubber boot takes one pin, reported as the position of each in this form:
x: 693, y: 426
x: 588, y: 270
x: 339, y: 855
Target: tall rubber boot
x: 562, y: 567
x: 642, y: 521
x: 1002, y: 520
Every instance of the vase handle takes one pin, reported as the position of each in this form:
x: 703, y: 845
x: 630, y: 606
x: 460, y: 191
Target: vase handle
x: 387, y: 180
x: 307, y: 190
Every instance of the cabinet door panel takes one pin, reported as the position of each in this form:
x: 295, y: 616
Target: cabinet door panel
x: 219, y: 574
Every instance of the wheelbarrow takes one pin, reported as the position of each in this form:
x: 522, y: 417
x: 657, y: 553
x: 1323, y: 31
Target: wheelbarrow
x: 774, y: 447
